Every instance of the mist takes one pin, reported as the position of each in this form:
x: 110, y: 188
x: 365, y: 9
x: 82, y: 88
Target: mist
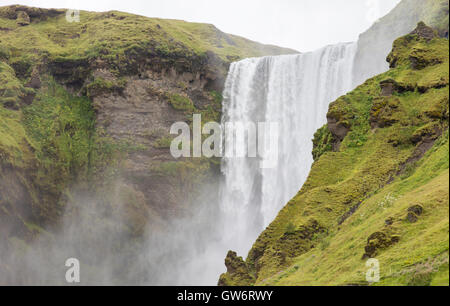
x: 179, y: 251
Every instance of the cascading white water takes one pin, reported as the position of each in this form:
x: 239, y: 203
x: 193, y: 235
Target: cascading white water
x: 294, y: 91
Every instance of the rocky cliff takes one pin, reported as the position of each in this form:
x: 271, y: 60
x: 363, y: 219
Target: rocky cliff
x: 85, y: 111
x: 375, y: 44
x: 378, y: 187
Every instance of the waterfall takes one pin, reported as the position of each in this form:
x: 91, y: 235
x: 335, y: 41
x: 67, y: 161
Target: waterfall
x: 295, y: 92
x: 291, y: 90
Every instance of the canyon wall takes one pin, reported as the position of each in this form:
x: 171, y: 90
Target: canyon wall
x: 86, y: 108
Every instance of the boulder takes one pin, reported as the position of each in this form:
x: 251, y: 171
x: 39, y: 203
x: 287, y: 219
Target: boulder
x: 414, y: 212
x: 390, y: 86
x: 237, y: 274
x: 379, y: 241
x: 424, y: 31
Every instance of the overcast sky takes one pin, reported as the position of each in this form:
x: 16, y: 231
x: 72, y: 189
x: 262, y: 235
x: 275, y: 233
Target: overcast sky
x: 303, y: 25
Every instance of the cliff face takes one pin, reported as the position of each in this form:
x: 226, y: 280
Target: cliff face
x: 378, y: 187
x: 86, y: 108
x: 375, y: 44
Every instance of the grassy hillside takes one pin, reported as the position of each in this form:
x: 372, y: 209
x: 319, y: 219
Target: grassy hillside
x: 116, y: 32
x: 378, y: 188
x: 114, y: 37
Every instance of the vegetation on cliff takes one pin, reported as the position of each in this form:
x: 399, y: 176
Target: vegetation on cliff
x: 378, y: 187
x: 123, y: 41
x: 57, y: 132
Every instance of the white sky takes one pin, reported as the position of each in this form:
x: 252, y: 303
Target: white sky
x: 304, y: 25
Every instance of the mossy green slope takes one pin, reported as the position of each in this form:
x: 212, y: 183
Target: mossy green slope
x: 114, y: 33
x: 49, y: 144
x: 381, y: 191
x: 115, y: 37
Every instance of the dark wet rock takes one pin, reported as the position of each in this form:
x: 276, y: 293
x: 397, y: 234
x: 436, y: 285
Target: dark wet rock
x: 416, y: 209
x: 22, y: 18
x: 349, y: 213
x: 238, y: 273
x: 427, y: 133
x: 379, y: 241
x: 35, y: 80
x: 412, y: 218
x: 339, y: 130
x: 383, y: 112
x: 389, y: 221
x: 387, y: 87
x: 440, y: 110
x: 33, y: 13
x: 28, y: 98
x: 422, y: 147
x: 298, y: 241
x: 10, y: 104
x: 419, y: 57
x: 234, y: 263
x: 414, y: 212
x: 420, y: 61
x: 390, y: 86
x: 424, y: 31
x: 422, y: 57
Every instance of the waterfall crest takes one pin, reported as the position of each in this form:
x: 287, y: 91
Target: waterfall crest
x: 294, y: 91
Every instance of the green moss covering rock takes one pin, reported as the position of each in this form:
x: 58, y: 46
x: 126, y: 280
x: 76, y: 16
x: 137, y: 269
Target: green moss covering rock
x: 180, y: 102
x: 388, y: 152
x: 63, y: 86
x: 12, y: 91
x: 322, y: 142
x: 237, y: 272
